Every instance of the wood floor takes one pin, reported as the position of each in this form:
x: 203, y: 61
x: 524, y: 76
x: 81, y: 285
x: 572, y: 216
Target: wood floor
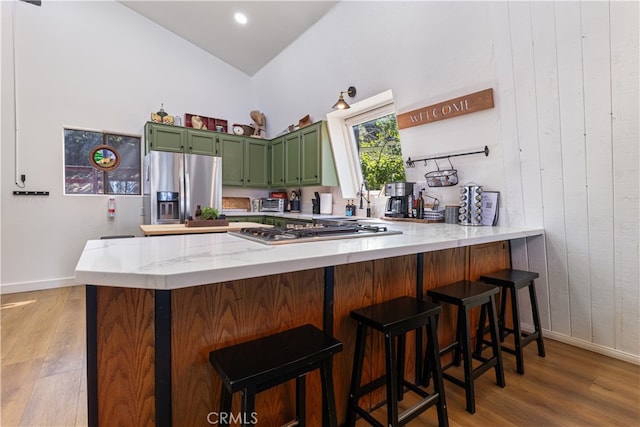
x: 43, y: 380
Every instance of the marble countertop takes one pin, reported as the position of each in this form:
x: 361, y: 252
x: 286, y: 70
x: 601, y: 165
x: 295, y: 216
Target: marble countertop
x: 173, y: 262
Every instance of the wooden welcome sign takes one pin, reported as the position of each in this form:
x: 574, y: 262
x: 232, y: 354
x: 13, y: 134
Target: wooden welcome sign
x: 478, y: 101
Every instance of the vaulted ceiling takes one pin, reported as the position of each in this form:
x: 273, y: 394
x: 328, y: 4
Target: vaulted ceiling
x: 271, y: 26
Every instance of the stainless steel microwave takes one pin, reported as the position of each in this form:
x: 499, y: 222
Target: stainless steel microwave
x: 271, y: 205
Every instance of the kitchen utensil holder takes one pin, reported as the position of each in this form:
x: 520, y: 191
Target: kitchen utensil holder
x: 442, y: 177
x: 411, y: 163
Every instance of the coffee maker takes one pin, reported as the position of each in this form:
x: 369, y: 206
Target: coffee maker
x: 400, y: 199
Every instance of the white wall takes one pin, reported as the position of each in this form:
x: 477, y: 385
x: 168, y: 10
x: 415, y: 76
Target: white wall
x: 94, y: 65
x: 426, y: 52
x: 559, y: 71
x: 569, y: 70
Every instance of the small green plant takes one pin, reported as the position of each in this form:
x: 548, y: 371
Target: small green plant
x: 209, y: 213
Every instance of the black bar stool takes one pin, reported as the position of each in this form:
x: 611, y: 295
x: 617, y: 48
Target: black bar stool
x: 394, y: 319
x: 255, y: 366
x: 466, y: 295
x: 511, y: 281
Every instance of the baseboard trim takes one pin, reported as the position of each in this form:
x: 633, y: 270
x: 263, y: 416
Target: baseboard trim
x: 596, y: 348
x: 40, y: 285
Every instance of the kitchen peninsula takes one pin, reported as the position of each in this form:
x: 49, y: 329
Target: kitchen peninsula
x: 157, y: 306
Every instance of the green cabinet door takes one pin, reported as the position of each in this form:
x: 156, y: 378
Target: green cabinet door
x: 202, y: 142
x: 277, y: 163
x: 256, y: 163
x: 232, y: 152
x: 310, y: 155
x: 161, y: 137
x: 280, y: 222
x: 292, y: 159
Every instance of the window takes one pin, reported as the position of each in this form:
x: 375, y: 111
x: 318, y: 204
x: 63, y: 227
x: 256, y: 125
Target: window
x: 375, y: 134
x: 101, y: 163
x: 365, y: 144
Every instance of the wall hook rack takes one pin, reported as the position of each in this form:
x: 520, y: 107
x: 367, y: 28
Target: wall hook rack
x: 411, y: 162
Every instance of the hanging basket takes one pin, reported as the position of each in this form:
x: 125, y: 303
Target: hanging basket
x: 442, y: 177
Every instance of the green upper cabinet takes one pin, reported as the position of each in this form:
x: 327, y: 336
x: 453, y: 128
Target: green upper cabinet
x: 161, y: 137
x: 276, y: 149
x: 232, y: 152
x: 256, y: 163
x: 245, y: 161
x: 292, y: 159
x: 308, y: 157
x: 299, y: 158
x: 178, y: 139
x: 202, y: 142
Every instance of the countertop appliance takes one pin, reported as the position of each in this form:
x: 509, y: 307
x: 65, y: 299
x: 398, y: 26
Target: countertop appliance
x: 281, y: 195
x: 176, y: 183
x: 311, y: 233
x: 272, y: 204
x: 400, y: 194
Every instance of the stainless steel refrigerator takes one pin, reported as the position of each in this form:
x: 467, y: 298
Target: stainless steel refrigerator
x: 176, y: 183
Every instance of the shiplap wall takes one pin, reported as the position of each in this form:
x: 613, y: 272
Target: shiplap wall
x: 567, y: 74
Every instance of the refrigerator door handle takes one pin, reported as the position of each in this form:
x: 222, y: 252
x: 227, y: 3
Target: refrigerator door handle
x: 187, y: 195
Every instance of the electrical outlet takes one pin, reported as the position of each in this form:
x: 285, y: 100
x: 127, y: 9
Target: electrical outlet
x: 142, y: 211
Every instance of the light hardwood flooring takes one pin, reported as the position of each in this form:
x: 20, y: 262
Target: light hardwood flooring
x: 43, y: 376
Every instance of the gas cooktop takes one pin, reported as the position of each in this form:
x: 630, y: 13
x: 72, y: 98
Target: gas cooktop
x: 311, y: 233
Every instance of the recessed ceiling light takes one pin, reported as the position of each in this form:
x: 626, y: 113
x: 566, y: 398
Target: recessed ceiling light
x: 241, y: 18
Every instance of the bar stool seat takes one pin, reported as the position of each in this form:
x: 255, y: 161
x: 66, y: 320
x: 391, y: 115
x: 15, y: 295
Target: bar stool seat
x: 257, y: 365
x: 466, y: 295
x: 510, y: 282
x: 394, y: 319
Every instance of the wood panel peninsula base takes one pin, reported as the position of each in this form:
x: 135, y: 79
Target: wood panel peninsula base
x: 148, y: 346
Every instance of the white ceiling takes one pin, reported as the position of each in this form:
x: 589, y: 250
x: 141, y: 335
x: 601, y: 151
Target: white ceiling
x: 271, y: 27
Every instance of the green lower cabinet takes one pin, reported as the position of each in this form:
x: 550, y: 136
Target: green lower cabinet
x: 280, y: 222
x: 253, y: 218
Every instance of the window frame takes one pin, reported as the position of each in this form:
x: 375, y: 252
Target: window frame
x: 104, y: 134
x: 345, y: 149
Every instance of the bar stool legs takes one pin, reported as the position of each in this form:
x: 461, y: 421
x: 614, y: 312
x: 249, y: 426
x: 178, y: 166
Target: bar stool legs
x: 466, y: 295
x: 394, y: 319
x: 511, y: 281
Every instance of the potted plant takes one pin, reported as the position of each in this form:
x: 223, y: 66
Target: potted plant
x: 209, y: 213
x: 209, y: 217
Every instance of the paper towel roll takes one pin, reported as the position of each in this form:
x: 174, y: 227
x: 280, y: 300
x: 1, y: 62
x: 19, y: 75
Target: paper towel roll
x: 326, y: 203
